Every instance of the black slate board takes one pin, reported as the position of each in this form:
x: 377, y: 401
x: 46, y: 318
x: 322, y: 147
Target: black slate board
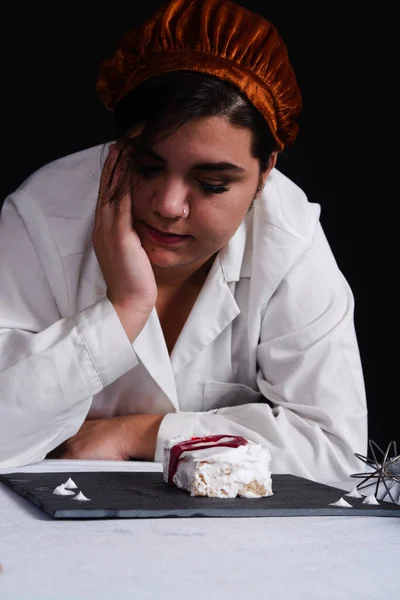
x: 115, y: 495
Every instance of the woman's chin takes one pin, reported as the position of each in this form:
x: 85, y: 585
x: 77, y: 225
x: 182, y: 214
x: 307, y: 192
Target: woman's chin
x: 162, y: 258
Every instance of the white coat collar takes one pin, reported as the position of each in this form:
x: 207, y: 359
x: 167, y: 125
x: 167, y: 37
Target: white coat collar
x: 214, y: 310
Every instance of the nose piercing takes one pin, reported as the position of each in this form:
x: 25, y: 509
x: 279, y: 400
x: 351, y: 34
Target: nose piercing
x: 184, y: 213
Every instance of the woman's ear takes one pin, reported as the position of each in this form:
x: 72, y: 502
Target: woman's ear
x: 271, y: 164
x: 263, y: 177
x: 272, y: 161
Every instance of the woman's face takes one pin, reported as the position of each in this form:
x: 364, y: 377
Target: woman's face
x: 205, y: 170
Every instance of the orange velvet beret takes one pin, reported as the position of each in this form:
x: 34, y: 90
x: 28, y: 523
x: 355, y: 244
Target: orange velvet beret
x: 217, y: 37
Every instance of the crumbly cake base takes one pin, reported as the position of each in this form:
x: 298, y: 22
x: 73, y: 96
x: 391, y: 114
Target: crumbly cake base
x: 219, y: 470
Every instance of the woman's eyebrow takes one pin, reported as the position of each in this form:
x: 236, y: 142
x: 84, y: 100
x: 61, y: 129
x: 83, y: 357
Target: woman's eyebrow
x: 205, y: 166
x: 217, y: 166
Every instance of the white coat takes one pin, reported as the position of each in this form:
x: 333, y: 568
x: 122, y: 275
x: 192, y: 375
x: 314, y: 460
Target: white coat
x: 268, y: 352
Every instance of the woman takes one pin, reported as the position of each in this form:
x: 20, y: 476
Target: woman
x: 185, y: 287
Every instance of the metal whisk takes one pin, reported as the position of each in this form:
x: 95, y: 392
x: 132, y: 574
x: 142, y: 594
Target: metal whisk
x: 386, y: 470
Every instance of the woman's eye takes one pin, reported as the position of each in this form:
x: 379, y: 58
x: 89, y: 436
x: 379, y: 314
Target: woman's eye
x: 147, y: 172
x: 209, y: 188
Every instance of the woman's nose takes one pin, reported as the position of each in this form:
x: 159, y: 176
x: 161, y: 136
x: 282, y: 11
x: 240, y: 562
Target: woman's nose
x: 170, y: 200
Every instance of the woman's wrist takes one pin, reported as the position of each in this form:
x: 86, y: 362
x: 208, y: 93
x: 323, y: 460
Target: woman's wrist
x: 133, y: 318
x: 141, y: 433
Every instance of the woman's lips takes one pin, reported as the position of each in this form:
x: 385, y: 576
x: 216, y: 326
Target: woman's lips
x: 165, y: 238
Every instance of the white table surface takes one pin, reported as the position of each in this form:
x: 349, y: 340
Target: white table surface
x: 192, y: 559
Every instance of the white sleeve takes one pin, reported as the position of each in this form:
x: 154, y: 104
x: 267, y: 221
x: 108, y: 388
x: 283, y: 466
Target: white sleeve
x: 50, y: 367
x: 309, y: 371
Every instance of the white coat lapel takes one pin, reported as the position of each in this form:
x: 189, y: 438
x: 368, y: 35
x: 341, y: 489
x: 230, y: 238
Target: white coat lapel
x: 215, y: 309
x: 152, y: 351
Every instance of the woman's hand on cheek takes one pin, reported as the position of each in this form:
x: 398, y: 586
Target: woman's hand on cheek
x: 116, y: 438
x: 125, y: 266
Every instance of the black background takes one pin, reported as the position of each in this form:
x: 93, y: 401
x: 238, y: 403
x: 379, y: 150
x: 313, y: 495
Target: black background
x: 344, y: 158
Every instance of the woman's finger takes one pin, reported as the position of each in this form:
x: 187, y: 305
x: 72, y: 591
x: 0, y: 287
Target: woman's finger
x: 122, y: 217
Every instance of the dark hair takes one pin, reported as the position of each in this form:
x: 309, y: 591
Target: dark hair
x: 163, y: 103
